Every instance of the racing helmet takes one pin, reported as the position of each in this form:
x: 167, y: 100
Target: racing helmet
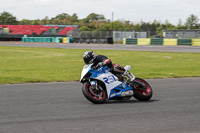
x: 89, y: 57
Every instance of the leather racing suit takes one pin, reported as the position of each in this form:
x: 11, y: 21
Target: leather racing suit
x: 101, y: 60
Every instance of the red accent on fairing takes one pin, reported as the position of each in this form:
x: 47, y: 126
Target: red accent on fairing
x: 107, y: 60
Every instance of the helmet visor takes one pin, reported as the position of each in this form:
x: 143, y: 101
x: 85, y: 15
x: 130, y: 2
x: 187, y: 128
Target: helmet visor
x: 88, y: 60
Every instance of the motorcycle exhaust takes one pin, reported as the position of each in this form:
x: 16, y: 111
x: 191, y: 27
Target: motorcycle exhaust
x: 127, y: 93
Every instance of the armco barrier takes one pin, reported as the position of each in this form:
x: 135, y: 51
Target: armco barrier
x: 69, y: 40
x: 40, y: 39
x: 131, y: 41
x: 47, y: 39
x: 58, y: 39
x: 25, y: 39
x: 156, y: 41
x: 37, y: 39
x: 64, y: 40
x: 171, y: 42
x: 185, y: 42
x: 124, y: 41
x: 142, y: 41
x: 43, y: 39
x: 195, y: 42
x: 53, y: 39
x: 32, y: 39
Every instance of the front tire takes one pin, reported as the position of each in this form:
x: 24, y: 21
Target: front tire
x: 97, y: 97
x: 143, y: 95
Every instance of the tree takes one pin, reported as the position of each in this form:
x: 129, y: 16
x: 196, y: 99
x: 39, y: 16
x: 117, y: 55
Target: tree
x: 61, y: 16
x: 105, y: 26
x: 117, y: 25
x: 73, y: 19
x: 7, y: 18
x: 84, y: 28
x: 169, y: 26
x: 94, y: 17
x: 35, y: 22
x: 192, y: 22
x: 25, y: 22
x: 45, y: 21
x: 137, y: 27
x: 159, y: 30
x: 180, y: 25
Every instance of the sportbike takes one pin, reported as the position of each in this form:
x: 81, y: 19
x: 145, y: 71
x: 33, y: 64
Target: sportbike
x: 100, y: 84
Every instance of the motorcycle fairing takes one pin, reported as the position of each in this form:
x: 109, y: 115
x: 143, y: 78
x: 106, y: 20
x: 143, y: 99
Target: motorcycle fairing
x: 110, y: 81
x: 85, y: 70
x: 114, y: 87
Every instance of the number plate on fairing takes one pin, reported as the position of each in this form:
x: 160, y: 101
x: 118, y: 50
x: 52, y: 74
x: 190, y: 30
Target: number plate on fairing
x: 110, y: 79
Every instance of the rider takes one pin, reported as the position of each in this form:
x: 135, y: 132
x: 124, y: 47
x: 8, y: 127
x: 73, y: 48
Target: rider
x: 101, y: 60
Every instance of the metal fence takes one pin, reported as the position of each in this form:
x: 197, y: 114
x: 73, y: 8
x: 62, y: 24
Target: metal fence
x: 181, y: 33
x: 90, y: 34
x: 119, y: 35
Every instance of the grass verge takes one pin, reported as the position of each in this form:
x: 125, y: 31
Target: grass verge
x: 30, y: 65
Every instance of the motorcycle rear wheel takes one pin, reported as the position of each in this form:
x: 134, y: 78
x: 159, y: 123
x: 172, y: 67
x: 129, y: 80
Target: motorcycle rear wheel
x: 93, y: 95
x: 143, y: 95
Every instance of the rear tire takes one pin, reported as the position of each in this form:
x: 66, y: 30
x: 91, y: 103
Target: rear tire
x: 89, y: 94
x: 143, y: 95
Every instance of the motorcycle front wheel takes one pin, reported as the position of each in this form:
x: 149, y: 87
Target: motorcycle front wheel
x: 143, y: 95
x: 94, y: 96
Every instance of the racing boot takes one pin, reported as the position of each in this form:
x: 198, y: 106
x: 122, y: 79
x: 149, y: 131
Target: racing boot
x: 129, y: 75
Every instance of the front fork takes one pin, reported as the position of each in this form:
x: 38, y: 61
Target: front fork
x: 94, y: 85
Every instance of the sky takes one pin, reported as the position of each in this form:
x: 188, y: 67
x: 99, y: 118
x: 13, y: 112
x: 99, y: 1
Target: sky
x: 129, y: 10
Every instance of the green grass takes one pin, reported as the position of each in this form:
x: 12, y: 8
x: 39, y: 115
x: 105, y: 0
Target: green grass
x: 25, y: 64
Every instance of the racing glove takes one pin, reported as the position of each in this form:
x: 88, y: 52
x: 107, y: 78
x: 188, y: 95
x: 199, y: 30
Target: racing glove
x: 100, y: 64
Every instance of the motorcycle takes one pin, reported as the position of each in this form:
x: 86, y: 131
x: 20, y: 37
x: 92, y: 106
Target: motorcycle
x: 99, y: 85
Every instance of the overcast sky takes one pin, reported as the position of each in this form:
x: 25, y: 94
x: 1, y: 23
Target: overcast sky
x: 131, y: 10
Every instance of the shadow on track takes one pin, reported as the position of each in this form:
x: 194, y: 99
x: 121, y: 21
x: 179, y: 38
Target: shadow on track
x: 129, y: 101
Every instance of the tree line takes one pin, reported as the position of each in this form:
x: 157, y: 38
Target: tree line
x: 98, y: 22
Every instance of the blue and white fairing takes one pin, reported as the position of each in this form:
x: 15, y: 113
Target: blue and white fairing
x: 114, y: 87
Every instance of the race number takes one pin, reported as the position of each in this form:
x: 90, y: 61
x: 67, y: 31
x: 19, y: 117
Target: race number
x: 110, y: 79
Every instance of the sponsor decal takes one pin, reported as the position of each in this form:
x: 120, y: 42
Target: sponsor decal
x: 115, y: 94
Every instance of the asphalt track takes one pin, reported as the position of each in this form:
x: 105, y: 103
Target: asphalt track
x: 192, y: 49
x: 61, y: 108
